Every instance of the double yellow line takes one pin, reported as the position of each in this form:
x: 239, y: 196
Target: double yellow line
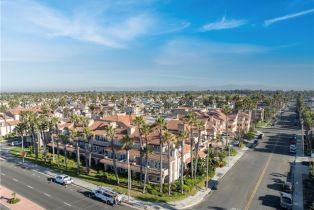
x: 249, y: 203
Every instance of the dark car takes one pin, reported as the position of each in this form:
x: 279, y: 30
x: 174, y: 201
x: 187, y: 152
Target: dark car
x: 260, y: 136
x: 287, y: 187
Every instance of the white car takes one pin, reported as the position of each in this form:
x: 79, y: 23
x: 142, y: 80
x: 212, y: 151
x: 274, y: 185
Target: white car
x: 63, y: 179
x: 286, y: 200
x: 107, y: 195
x: 293, y: 148
x: 16, y: 143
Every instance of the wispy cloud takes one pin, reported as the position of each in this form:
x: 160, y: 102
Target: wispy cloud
x: 197, y: 52
x: 223, y: 23
x: 102, y: 28
x: 286, y: 17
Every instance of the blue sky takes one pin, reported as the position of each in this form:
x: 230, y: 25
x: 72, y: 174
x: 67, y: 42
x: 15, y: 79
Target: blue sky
x: 80, y: 45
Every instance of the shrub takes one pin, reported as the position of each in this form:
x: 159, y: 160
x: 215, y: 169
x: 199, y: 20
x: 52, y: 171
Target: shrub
x: 233, y: 152
x: 13, y: 200
x: 241, y: 144
x: 186, y: 188
x: 311, y: 172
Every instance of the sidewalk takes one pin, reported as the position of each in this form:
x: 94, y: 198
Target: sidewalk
x: 138, y: 204
x: 298, y: 171
x: 23, y: 204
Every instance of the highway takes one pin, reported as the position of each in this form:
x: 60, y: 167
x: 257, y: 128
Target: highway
x: 254, y: 182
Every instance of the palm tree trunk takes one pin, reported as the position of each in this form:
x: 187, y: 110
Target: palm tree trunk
x: 86, y: 158
x: 22, y: 148
x: 129, y: 175
x: 58, y: 151
x: 160, y: 160
x: 207, y: 157
x: 169, y: 186
x: 196, y: 153
x: 191, y: 152
x: 114, y: 162
x: 65, y: 156
x: 77, y: 157
x: 53, y: 148
x: 182, y: 165
x: 45, y: 146
x: 90, y: 146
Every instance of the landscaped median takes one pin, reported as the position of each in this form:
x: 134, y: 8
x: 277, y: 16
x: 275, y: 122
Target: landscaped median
x: 19, y: 202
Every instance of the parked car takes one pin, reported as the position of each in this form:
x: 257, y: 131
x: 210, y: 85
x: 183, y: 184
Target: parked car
x: 63, y: 179
x: 107, y: 195
x: 287, y: 187
x: 260, y: 136
x: 286, y: 200
x: 15, y: 143
x: 293, y: 149
x: 236, y: 143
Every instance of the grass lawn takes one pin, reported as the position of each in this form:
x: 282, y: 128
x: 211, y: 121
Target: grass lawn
x: 102, y: 178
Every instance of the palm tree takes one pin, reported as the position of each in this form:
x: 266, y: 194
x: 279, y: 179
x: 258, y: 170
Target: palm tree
x: 226, y: 110
x: 169, y: 139
x: 146, y: 130
x: 139, y: 121
x: 43, y: 124
x: 65, y: 139
x: 87, y: 136
x: 53, y: 128
x: 3, y: 110
x: 75, y: 135
x: 183, y: 135
x: 190, y: 120
x: 161, y: 125
x: 76, y: 120
x: 20, y: 130
x: 200, y: 126
x: 127, y: 145
x: 110, y: 133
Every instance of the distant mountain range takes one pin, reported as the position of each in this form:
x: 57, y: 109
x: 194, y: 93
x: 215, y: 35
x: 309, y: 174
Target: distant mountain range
x: 162, y: 88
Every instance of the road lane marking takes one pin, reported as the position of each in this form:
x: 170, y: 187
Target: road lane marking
x: 249, y: 203
x: 67, y: 204
x: 15, y: 180
x: 2, y: 174
x: 29, y: 186
x: 46, y: 194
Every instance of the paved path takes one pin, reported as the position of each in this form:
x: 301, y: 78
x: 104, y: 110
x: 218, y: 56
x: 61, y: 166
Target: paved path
x: 299, y: 171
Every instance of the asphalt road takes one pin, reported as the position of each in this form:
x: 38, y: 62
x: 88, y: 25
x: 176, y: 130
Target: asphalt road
x: 37, y: 188
x: 254, y: 182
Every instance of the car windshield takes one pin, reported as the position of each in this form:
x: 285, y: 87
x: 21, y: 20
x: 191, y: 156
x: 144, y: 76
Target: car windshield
x: 286, y: 200
x: 66, y: 177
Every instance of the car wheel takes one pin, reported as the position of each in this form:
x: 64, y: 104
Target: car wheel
x: 108, y: 202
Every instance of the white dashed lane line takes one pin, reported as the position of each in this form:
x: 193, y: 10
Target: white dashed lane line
x: 67, y: 204
x: 29, y: 186
x: 15, y: 180
x: 46, y: 194
x: 2, y: 174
